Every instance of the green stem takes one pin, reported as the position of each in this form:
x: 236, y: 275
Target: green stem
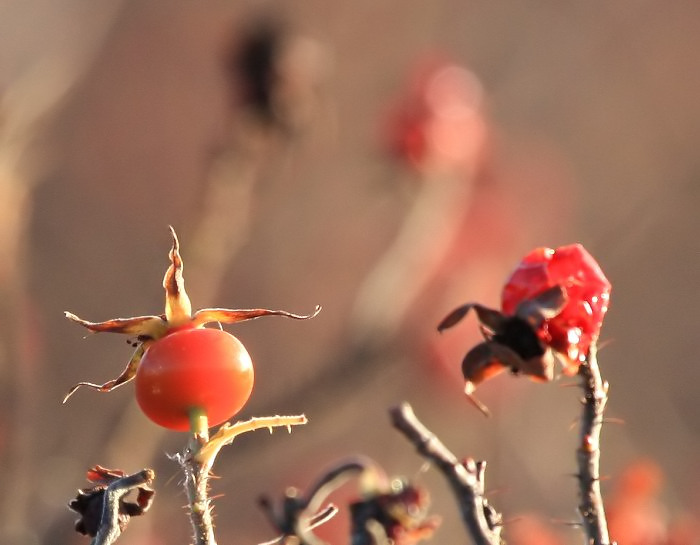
x: 199, y: 425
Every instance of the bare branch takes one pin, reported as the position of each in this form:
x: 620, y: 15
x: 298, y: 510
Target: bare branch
x: 199, y: 457
x: 483, y: 522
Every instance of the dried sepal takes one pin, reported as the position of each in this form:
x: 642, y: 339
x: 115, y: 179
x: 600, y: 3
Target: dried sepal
x: 140, y: 326
x: 90, y: 502
x: 126, y: 375
x: 102, y: 475
x: 454, y: 317
x: 545, y: 306
x: 232, y: 316
x: 488, y: 317
x: 481, y: 363
x: 478, y: 365
x: 511, y: 341
x: 539, y: 368
x: 178, y: 308
x: 398, y: 514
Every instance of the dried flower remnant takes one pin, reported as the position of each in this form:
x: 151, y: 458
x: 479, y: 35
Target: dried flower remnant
x: 90, y: 502
x: 401, y: 512
x: 387, y: 509
x: 552, y: 310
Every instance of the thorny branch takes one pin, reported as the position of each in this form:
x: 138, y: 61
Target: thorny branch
x: 588, y: 454
x: 199, y: 457
x: 466, y: 478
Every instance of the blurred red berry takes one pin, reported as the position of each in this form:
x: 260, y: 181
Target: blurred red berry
x: 572, y: 331
x: 438, y: 123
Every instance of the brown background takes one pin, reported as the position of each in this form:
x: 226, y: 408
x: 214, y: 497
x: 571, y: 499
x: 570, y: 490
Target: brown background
x: 112, y: 113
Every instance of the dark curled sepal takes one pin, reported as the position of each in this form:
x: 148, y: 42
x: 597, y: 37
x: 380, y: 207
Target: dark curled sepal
x: 103, y: 508
x: 398, y: 515
x: 510, y: 341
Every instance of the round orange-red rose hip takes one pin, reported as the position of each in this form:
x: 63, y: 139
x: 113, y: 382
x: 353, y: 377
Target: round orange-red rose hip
x: 203, y: 370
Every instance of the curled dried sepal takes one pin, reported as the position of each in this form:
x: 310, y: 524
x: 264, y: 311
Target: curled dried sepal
x: 511, y: 341
x: 490, y: 318
x: 109, y: 485
x: 126, y: 375
x: 544, y: 306
x: 178, y: 315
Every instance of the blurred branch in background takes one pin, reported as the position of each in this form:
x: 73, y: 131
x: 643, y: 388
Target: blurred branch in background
x: 27, y: 106
x: 438, y: 129
x: 274, y: 79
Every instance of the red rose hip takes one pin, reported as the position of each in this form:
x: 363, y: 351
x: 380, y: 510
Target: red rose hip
x: 572, y: 331
x: 197, y: 369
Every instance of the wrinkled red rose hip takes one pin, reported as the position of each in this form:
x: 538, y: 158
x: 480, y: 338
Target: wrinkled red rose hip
x: 576, y: 327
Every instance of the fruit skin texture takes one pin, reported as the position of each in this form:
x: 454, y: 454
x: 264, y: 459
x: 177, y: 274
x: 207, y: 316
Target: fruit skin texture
x: 194, y: 369
x: 576, y: 327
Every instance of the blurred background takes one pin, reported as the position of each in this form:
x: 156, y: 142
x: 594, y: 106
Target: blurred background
x: 388, y: 161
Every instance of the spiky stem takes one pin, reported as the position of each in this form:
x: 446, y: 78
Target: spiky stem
x: 588, y: 454
x: 199, y: 458
x: 197, y: 481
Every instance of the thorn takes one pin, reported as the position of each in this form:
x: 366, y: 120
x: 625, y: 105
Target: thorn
x: 605, y: 343
x: 570, y: 523
x: 510, y: 521
x: 469, y: 392
x: 479, y: 405
x: 613, y: 420
x: 424, y: 468
x: 497, y: 491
